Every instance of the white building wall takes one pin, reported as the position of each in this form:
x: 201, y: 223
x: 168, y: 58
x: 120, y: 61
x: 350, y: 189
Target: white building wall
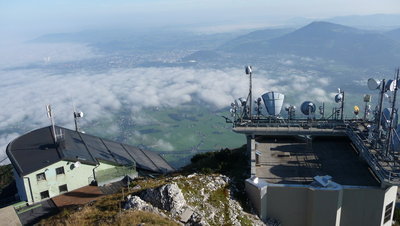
x: 73, y: 177
x: 302, y: 205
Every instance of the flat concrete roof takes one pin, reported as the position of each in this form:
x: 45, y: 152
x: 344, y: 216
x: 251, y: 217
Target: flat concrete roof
x: 291, y: 160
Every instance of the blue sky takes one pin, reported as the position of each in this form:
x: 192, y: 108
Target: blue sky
x: 43, y: 16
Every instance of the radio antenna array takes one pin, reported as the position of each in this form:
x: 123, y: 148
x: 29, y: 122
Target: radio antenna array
x: 394, y: 88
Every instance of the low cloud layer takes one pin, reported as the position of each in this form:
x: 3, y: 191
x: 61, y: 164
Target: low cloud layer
x: 26, y: 92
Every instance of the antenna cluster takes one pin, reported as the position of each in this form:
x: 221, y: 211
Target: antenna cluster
x: 59, y: 136
x: 384, y: 134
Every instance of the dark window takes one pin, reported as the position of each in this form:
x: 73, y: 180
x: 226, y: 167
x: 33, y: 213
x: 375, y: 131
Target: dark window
x: 388, y: 212
x: 63, y: 188
x: 40, y: 176
x: 44, y: 194
x: 60, y: 170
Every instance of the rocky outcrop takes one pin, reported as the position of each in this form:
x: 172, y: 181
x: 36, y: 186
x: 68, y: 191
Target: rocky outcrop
x: 194, y: 200
x: 167, y: 197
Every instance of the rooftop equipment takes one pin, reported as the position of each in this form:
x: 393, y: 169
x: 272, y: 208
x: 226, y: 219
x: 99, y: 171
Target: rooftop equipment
x: 308, y: 108
x: 273, y: 102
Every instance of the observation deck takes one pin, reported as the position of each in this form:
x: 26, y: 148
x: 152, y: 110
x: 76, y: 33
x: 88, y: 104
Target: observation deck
x: 385, y: 166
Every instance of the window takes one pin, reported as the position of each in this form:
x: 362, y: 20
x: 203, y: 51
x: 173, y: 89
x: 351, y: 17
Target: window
x: 44, y: 194
x: 388, y: 212
x: 60, y: 170
x: 63, y: 188
x: 40, y: 176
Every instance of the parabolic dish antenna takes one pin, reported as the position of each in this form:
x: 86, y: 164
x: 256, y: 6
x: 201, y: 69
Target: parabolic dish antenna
x: 390, y: 85
x: 307, y: 107
x: 373, y: 84
x: 77, y: 164
x: 338, y: 97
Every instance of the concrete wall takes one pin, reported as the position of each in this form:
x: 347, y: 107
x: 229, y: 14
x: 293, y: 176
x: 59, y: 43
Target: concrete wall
x: 300, y: 205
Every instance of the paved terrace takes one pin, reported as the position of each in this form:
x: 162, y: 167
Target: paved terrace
x: 288, y: 160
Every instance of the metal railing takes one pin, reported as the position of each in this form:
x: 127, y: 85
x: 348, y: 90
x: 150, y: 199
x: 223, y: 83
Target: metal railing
x: 298, y: 123
x: 385, y: 174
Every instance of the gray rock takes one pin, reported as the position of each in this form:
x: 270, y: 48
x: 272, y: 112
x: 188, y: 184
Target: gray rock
x: 167, y: 197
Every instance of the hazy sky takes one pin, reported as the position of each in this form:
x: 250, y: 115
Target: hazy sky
x: 42, y: 16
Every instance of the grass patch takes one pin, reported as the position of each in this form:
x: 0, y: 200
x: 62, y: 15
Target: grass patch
x: 230, y: 162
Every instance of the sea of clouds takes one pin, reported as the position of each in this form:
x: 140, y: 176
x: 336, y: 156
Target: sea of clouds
x: 25, y: 93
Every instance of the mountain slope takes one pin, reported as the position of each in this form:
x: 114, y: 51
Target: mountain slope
x: 333, y: 42
x: 252, y: 39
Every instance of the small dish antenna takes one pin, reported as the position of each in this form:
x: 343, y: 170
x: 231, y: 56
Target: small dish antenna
x: 248, y: 70
x: 373, y: 84
x: 390, y: 85
x: 338, y: 97
x: 77, y: 164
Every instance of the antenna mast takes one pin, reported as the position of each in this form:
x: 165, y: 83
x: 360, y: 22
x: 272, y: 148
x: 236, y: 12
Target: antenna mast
x: 77, y: 114
x: 50, y: 116
x: 248, y: 70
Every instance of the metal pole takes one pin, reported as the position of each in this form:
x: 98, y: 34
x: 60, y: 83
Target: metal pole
x: 342, y: 107
x: 365, y: 111
x: 378, y: 128
x: 251, y: 99
x: 76, y: 123
x: 388, y: 147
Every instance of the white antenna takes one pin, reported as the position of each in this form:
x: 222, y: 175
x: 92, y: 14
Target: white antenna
x: 77, y: 114
x: 50, y: 116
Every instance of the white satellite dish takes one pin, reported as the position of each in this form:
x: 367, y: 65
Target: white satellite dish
x: 373, y: 84
x: 248, y: 70
x: 390, y: 85
x: 338, y: 97
x: 77, y: 164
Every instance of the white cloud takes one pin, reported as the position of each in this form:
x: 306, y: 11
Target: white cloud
x: 26, y: 92
x: 17, y: 54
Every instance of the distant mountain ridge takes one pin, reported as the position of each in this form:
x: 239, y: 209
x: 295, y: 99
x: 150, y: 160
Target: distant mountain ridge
x: 322, y: 40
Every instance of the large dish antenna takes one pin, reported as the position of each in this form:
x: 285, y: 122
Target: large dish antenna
x: 307, y: 107
x: 373, y: 84
x: 273, y: 102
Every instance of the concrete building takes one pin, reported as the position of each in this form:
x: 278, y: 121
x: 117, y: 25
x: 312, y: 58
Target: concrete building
x: 44, y: 168
x: 319, y: 178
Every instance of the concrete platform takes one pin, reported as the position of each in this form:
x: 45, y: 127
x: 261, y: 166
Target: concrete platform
x: 9, y: 217
x: 287, y: 160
